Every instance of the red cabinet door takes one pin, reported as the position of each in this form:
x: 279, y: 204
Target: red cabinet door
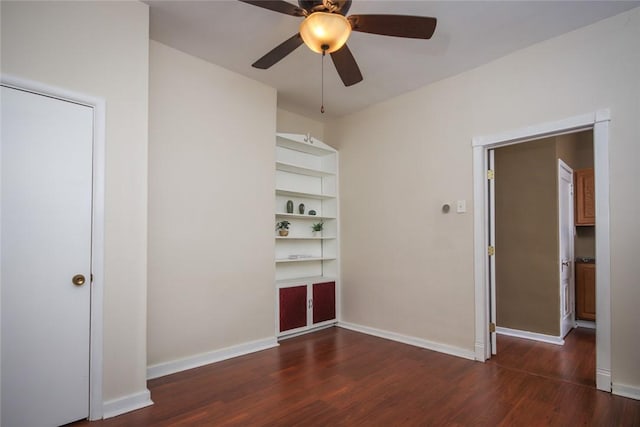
x: 324, y: 301
x: 293, y: 307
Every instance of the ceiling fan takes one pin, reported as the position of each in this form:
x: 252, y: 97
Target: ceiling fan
x: 326, y: 28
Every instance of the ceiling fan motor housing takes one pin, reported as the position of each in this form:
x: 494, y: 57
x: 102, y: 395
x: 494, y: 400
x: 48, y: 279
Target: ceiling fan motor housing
x: 339, y: 6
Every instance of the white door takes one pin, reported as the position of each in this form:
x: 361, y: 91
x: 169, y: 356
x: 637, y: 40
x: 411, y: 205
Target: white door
x: 566, y: 235
x: 45, y: 242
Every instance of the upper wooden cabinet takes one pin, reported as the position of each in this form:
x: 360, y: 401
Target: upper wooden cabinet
x: 585, y: 196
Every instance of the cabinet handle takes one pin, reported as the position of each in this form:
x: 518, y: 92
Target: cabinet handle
x: 310, y: 303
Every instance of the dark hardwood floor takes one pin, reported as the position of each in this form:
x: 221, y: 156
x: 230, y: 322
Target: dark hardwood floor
x: 336, y: 377
x: 574, y: 362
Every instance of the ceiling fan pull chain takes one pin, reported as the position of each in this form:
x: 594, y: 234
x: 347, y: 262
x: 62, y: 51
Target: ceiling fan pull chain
x: 322, y: 82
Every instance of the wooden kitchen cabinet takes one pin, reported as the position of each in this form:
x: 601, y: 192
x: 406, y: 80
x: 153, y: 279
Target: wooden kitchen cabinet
x: 585, y: 197
x: 586, y: 291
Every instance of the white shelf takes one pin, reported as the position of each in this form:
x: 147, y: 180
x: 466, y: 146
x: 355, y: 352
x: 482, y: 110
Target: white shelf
x: 283, y: 260
x: 298, y: 216
x: 304, y: 144
x: 304, y: 238
x: 287, y: 167
x: 285, y: 283
x: 306, y: 172
x: 281, y: 192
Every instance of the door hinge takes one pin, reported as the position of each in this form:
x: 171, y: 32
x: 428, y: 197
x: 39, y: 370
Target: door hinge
x: 491, y: 174
x: 492, y: 327
x: 491, y: 250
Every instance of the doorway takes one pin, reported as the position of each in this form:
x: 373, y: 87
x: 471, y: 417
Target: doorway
x: 534, y: 257
x: 533, y: 266
x: 599, y: 122
x: 52, y: 254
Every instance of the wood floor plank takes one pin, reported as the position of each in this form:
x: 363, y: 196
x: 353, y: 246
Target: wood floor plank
x: 337, y: 377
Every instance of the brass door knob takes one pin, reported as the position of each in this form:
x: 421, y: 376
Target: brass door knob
x: 78, y: 280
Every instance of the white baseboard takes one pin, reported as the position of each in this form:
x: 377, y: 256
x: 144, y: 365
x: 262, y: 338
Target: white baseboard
x: 112, y: 408
x: 326, y: 325
x: 585, y: 324
x: 418, y: 342
x: 624, y: 390
x: 603, y: 380
x: 550, y: 339
x: 479, y: 352
x: 166, y: 368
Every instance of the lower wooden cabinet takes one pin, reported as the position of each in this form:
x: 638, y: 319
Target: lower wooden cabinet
x: 586, y: 291
x: 305, y: 306
x: 324, y: 301
x: 293, y: 308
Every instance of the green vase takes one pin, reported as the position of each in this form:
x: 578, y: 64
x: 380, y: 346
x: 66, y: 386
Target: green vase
x: 301, y: 208
x: 289, y: 206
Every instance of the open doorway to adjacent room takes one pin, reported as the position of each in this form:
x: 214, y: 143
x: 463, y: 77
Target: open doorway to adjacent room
x: 545, y: 313
x: 536, y: 270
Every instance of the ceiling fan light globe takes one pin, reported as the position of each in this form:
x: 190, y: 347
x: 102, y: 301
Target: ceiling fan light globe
x: 322, y: 31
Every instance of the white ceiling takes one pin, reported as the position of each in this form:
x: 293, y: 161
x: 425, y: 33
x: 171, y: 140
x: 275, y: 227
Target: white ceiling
x: 233, y: 35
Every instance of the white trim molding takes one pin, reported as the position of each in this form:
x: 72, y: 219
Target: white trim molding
x: 632, y: 392
x: 587, y: 324
x: 405, y: 339
x: 603, y: 249
x: 167, y: 368
x: 549, y: 339
x: 599, y: 122
x: 542, y: 130
x: 96, y: 353
x: 603, y: 379
x: 128, y: 403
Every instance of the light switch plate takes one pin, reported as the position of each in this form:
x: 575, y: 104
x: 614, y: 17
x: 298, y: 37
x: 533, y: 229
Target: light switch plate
x: 461, y: 206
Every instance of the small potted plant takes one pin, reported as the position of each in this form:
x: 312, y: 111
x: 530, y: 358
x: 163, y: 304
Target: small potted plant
x: 317, y: 228
x: 283, y: 228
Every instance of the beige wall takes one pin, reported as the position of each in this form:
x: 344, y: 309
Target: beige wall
x: 527, y: 281
x: 408, y: 268
x: 211, y: 204
x: 101, y: 49
x: 585, y: 242
x: 576, y: 150
x: 289, y: 122
x: 567, y: 148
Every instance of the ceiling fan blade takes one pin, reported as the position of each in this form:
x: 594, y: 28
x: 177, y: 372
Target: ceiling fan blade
x: 277, y: 6
x: 415, y: 27
x: 347, y: 66
x: 279, y: 52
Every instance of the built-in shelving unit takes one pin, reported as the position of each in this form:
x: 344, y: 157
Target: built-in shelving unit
x: 307, y: 263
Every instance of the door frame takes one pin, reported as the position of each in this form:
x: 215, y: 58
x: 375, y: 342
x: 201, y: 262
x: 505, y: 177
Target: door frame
x: 95, y: 410
x: 599, y: 122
